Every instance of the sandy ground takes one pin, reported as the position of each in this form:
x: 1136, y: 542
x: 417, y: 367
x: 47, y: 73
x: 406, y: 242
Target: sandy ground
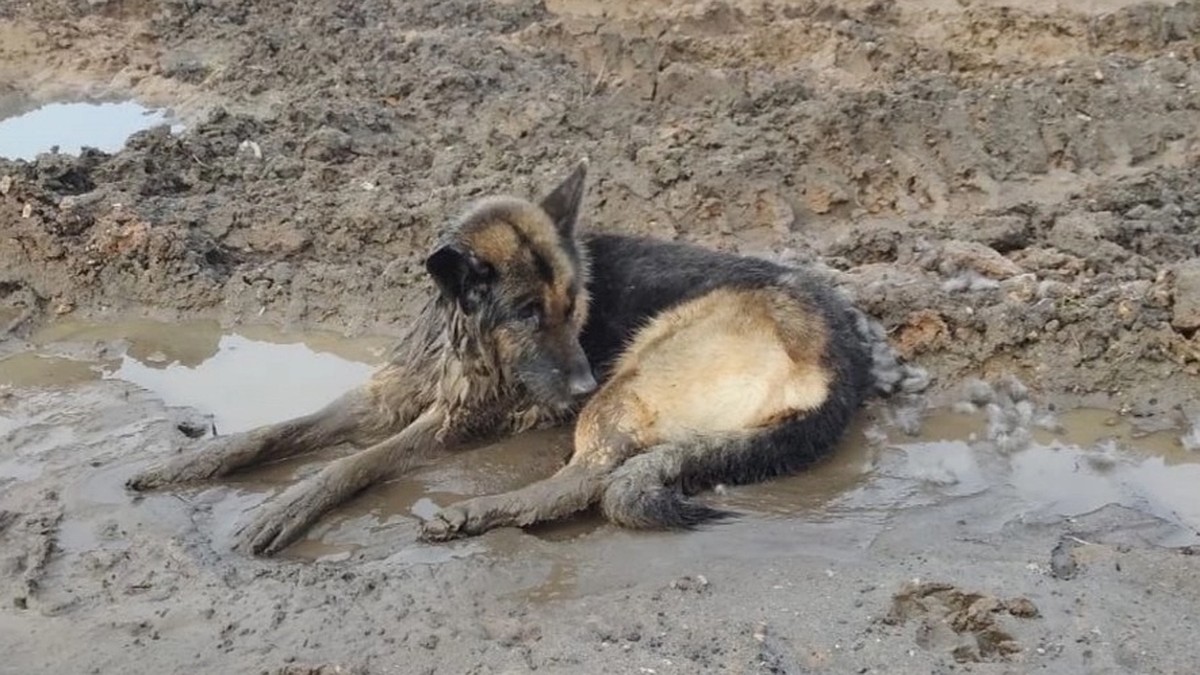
x: 1012, y: 188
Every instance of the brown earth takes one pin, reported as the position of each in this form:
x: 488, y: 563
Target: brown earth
x: 1010, y: 187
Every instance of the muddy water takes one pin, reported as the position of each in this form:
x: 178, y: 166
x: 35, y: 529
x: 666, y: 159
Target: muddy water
x: 241, y: 379
x: 836, y: 511
x: 72, y: 126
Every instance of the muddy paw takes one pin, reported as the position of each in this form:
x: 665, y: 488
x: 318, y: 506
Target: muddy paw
x: 445, y: 525
x: 188, y: 468
x: 284, y: 520
x: 215, y: 457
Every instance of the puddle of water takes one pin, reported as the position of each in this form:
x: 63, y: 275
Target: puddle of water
x: 243, y: 379
x: 71, y: 126
x: 247, y: 383
x: 1096, y: 460
x: 836, y: 511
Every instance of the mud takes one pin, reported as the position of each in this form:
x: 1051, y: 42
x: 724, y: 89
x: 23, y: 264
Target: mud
x: 1064, y: 552
x: 1012, y: 188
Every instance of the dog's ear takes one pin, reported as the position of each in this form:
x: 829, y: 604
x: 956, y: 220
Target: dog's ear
x: 460, y: 276
x: 562, y: 205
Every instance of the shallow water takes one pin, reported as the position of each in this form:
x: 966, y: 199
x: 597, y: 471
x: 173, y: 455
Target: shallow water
x: 71, y: 126
x: 241, y: 379
x: 837, y: 510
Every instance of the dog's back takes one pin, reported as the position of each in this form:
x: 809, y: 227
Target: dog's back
x: 633, y: 279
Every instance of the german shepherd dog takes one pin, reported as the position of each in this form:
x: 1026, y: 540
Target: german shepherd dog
x: 716, y: 369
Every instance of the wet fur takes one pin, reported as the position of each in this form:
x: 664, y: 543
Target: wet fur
x: 522, y: 314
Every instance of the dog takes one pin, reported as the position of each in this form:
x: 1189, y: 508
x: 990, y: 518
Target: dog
x: 681, y: 367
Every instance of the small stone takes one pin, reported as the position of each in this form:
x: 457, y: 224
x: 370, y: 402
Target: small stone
x: 959, y: 256
x: 328, y: 145
x: 249, y: 149
x: 822, y: 198
x: 1000, y: 232
x: 923, y: 330
x: 27, y: 211
x: 1021, y: 607
x: 5, y: 185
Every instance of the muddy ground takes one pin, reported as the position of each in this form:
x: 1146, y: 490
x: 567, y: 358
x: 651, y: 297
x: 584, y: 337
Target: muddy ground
x: 1012, y: 188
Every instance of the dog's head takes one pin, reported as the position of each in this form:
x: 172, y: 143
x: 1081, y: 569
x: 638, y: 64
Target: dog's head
x: 517, y: 270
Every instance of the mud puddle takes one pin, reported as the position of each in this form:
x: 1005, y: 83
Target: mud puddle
x: 72, y: 126
x: 239, y: 380
x: 835, y: 512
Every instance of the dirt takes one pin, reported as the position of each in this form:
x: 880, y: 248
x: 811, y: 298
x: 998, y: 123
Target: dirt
x: 1012, y: 188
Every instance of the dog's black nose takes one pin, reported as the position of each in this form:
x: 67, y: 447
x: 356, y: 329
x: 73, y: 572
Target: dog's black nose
x: 582, y: 383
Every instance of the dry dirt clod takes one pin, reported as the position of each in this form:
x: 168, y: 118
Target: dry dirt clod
x: 1022, y: 607
x: 1185, y: 312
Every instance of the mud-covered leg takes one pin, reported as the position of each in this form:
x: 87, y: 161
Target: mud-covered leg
x: 284, y: 519
x: 599, y: 448
x: 335, y: 423
x: 573, y: 488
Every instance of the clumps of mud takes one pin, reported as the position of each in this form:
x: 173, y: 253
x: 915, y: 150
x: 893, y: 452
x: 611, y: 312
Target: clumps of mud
x: 971, y: 626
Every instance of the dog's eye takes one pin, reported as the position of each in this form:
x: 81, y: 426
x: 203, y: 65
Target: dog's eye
x: 530, y: 312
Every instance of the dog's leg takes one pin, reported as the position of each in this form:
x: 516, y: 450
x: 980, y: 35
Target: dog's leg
x: 287, y: 517
x: 226, y: 454
x: 362, y: 416
x: 599, y: 449
x: 573, y: 488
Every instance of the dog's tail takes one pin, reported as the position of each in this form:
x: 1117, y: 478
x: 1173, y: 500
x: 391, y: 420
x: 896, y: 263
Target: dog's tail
x: 651, y: 490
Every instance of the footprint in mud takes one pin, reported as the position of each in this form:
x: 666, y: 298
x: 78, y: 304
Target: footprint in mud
x: 27, y: 540
x: 967, y: 625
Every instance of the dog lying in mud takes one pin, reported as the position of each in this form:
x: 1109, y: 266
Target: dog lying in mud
x: 712, y: 369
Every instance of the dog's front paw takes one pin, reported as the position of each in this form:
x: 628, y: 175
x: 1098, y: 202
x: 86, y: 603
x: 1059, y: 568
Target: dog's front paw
x: 210, y: 460
x: 285, y: 519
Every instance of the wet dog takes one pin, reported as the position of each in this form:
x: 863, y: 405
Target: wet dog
x: 681, y: 367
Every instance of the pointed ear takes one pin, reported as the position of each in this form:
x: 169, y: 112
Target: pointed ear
x: 459, y: 275
x: 562, y: 205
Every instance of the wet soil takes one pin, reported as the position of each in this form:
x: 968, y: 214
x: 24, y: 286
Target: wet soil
x: 1012, y: 188
x: 952, y: 546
